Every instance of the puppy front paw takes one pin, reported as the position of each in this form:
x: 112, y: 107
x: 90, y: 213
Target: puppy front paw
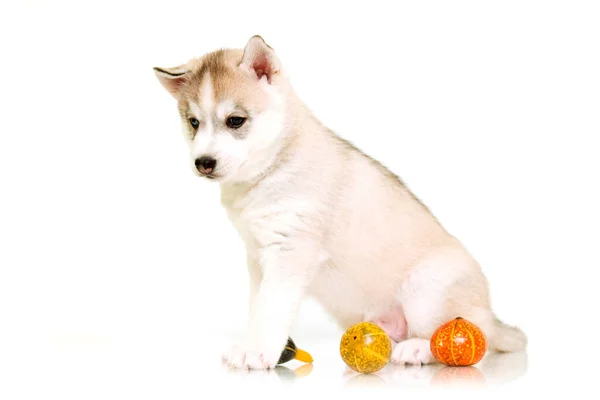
x: 255, y: 355
x: 412, y: 351
x: 231, y: 353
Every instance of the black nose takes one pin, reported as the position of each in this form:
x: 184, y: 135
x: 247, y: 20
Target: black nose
x: 205, y: 164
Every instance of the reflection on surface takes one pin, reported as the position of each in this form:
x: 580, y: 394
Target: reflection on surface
x: 280, y: 373
x: 287, y: 374
x: 458, y: 376
x: 494, y: 369
x: 355, y: 380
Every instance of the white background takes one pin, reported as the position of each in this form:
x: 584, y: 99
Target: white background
x: 120, y: 276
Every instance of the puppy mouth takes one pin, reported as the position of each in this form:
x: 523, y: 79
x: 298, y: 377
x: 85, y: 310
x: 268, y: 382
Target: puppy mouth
x: 209, y: 176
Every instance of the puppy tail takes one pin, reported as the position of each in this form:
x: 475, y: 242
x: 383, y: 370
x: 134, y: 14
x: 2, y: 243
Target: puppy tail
x: 506, y: 338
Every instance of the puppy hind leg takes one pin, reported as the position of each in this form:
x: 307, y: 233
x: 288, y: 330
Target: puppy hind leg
x: 445, y: 285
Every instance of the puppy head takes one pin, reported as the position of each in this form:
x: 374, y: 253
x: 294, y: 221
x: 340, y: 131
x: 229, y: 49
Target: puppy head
x: 231, y: 104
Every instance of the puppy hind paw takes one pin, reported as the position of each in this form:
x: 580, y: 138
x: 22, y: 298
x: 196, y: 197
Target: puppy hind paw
x: 413, y: 352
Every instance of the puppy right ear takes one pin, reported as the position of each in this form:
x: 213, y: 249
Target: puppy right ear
x: 172, y: 79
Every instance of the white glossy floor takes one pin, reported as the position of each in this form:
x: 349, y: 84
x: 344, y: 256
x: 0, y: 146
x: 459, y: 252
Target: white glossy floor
x: 88, y: 367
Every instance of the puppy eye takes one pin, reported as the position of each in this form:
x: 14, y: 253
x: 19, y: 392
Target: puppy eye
x: 235, y: 122
x: 194, y: 123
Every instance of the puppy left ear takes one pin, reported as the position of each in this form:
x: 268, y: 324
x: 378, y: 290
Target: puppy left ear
x: 172, y: 79
x: 260, y: 58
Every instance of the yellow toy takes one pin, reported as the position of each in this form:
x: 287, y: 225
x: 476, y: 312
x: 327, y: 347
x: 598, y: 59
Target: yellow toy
x: 366, y: 348
x: 291, y: 352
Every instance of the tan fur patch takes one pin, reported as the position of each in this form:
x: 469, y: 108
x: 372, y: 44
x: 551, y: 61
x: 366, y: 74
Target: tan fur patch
x: 228, y: 80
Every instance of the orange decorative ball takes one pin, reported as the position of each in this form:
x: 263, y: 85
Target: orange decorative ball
x: 458, y: 343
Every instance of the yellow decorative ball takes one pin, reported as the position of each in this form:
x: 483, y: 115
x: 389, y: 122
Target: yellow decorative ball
x: 366, y: 348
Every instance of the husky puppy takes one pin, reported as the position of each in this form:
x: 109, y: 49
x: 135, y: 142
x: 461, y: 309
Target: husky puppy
x: 320, y: 218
